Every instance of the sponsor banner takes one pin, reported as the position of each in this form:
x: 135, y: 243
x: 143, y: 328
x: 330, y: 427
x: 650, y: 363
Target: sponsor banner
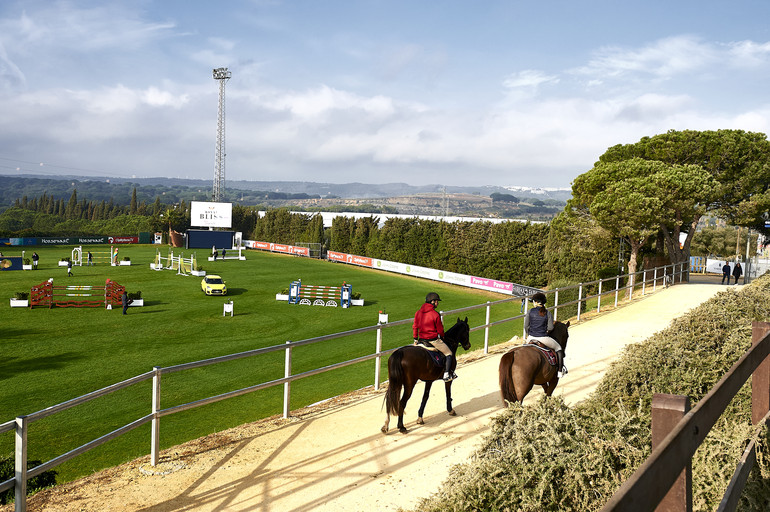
x: 282, y: 248
x: 715, y: 266
x: 13, y: 263
x: 205, y: 214
x: 57, y: 241
x: 123, y: 239
x: 427, y: 273
x: 492, y: 284
x: 336, y: 256
x: 451, y: 277
x: 92, y: 240
x: 18, y: 241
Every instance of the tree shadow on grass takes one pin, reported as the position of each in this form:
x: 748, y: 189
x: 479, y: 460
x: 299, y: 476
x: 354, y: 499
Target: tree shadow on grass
x: 11, y: 366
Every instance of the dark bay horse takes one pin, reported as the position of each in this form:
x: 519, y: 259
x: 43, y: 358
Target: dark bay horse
x: 409, y: 364
x: 523, y: 367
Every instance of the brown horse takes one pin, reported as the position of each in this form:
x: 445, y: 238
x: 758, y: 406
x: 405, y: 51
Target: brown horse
x: 409, y: 364
x: 523, y: 367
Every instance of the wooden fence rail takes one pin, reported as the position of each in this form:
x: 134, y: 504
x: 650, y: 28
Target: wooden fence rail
x: 671, y: 458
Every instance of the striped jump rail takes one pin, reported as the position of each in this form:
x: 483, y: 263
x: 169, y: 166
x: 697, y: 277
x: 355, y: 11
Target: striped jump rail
x: 318, y: 295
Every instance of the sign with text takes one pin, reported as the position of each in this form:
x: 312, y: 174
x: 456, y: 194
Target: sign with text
x: 211, y: 215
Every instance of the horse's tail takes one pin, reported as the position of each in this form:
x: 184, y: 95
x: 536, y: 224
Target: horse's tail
x: 507, y: 389
x: 395, y: 383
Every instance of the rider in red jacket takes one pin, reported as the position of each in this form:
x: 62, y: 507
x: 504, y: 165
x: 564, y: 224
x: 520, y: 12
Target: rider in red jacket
x: 428, y: 327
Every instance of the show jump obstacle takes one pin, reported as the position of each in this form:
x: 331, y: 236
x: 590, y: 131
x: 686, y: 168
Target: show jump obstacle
x: 77, y: 296
x: 320, y: 295
x: 110, y: 257
x: 174, y: 262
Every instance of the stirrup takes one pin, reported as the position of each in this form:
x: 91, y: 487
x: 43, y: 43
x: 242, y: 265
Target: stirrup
x: 447, y: 377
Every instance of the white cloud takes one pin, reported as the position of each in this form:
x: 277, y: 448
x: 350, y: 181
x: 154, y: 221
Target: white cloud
x: 664, y: 58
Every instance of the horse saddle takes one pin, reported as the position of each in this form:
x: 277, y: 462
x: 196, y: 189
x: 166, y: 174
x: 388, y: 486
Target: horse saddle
x: 549, y: 354
x: 436, y: 356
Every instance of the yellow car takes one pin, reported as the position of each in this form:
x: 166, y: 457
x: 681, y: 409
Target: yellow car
x: 213, y: 285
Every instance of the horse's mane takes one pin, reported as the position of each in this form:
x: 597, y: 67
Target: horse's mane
x: 452, y: 331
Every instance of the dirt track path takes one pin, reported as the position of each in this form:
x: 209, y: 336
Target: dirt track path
x: 334, y: 458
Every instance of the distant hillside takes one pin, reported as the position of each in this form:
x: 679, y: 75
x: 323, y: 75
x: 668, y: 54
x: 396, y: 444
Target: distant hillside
x: 237, y: 190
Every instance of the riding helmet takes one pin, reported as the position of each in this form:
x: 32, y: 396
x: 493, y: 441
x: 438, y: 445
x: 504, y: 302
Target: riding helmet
x: 432, y: 296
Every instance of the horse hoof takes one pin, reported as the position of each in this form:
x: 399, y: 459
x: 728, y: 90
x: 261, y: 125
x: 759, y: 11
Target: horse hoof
x: 420, y: 422
x: 403, y: 430
x: 384, y: 430
x: 452, y: 413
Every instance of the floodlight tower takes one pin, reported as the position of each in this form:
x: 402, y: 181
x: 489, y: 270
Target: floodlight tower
x: 223, y: 75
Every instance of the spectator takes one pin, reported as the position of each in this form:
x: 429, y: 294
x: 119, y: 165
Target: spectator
x: 737, y: 272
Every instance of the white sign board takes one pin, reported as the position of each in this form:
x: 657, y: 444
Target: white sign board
x: 211, y: 215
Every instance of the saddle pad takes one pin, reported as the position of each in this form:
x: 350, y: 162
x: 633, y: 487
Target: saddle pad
x: 549, y: 354
x: 437, y: 357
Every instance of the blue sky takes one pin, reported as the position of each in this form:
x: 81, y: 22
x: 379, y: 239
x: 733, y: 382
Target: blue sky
x: 447, y: 92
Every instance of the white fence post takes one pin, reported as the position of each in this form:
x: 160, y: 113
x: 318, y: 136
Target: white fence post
x: 617, y: 288
x: 556, y: 305
x: 20, y: 487
x: 526, y: 312
x: 599, y: 297
x: 655, y: 279
x: 486, y: 330
x: 644, y: 281
x: 580, y: 300
x: 155, y: 425
x: 378, y: 349
x: 287, y: 385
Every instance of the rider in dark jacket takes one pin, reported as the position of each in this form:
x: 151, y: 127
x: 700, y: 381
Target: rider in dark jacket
x: 428, y: 327
x: 538, y: 323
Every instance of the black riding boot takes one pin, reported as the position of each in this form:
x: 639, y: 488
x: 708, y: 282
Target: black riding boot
x: 561, y: 370
x: 448, y: 374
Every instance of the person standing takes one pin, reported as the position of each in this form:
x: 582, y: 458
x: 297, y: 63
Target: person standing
x: 69, y: 268
x: 726, y: 273
x: 215, y: 254
x: 125, y: 301
x: 35, y: 258
x: 737, y: 272
x: 224, y: 251
x: 90, y: 259
x: 428, y: 327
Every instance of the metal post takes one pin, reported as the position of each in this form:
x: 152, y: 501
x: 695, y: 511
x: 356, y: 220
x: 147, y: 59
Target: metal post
x: 378, y: 349
x: 486, y: 330
x: 580, y: 300
x: 287, y: 384
x: 526, y: 312
x: 667, y: 410
x: 644, y: 281
x: 155, y: 424
x: 20, y: 457
x: 556, y: 305
x: 655, y: 279
x: 617, y: 288
x: 599, y: 298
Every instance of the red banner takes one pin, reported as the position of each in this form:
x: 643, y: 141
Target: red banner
x: 349, y: 258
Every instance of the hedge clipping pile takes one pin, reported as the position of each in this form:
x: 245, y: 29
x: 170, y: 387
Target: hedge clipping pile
x: 547, y: 456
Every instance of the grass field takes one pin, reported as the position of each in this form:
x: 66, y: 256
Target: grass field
x: 52, y: 355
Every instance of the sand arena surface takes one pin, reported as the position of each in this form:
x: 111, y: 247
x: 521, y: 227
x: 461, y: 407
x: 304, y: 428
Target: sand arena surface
x: 333, y: 457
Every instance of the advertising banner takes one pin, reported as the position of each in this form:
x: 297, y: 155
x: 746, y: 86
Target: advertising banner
x: 123, y: 239
x: 205, y: 214
x: 57, y: 241
x: 82, y: 240
x: 13, y: 263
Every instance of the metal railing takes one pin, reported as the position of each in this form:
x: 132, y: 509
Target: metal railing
x: 666, y: 275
